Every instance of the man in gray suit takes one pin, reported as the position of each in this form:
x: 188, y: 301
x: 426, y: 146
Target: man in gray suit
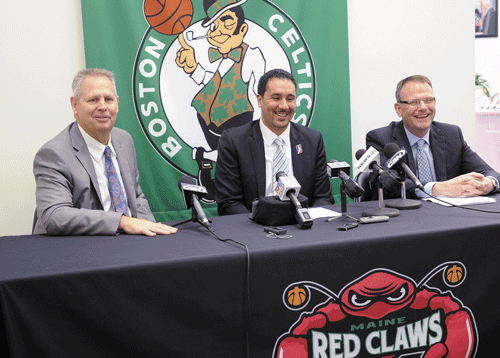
x: 72, y: 191
x: 453, y: 169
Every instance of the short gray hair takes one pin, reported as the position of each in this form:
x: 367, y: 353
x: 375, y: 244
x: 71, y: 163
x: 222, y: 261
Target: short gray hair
x: 414, y: 78
x: 83, y: 74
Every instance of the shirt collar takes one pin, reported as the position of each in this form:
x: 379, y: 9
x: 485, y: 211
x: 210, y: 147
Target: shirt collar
x: 96, y: 148
x: 414, y: 139
x: 269, y: 136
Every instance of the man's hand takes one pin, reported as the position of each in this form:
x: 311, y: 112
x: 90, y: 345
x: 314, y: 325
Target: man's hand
x: 185, y: 57
x: 136, y: 226
x: 471, y: 184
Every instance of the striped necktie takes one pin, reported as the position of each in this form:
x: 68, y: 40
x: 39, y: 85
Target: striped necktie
x: 424, y: 169
x: 115, y: 188
x: 280, y: 161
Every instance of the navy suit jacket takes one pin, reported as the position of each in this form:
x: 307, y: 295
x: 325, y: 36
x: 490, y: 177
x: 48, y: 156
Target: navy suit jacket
x: 68, y: 199
x: 452, y: 156
x: 240, y: 172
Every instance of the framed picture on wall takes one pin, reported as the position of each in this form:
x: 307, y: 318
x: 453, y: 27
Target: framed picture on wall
x: 486, y: 13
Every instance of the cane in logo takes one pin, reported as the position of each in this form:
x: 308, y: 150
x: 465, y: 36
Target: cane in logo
x: 197, y: 70
x: 381, y: 314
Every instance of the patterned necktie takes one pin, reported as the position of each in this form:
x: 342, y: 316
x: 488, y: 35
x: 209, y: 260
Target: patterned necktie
x: 280, y: 161
x: 424, y: 169
x: 115, y: 188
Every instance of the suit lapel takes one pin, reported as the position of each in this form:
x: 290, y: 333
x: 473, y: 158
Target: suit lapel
x: 402, y: 141
x: 83, y: 155
x: 297, y: 159
x: 258, y: 157
x: 438, y: 149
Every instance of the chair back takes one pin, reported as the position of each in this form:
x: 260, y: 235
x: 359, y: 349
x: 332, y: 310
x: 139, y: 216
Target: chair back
x: 362, y: 180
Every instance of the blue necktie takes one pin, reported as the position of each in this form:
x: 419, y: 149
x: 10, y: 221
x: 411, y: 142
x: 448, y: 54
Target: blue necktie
x: 424, y: 169
x: 115, y: 188
x: 280, y: 161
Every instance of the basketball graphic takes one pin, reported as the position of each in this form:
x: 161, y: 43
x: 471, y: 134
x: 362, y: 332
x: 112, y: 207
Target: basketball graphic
x: 296, y: 296
x: 454, y: 274
x: 169, y: 17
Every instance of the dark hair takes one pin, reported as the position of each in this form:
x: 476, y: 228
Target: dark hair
x: 414, y: 78
x: 275, y: 73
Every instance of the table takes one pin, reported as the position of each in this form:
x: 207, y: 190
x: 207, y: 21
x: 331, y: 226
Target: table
x: 184, y: 295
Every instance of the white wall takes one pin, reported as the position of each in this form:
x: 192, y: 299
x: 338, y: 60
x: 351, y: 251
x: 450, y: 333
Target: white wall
x: 487, y: 56
x: 41, y: 46
x: 390, y: 40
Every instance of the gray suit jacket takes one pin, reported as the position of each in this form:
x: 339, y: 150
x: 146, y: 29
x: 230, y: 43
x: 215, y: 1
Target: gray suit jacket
x: 452, y: 156
x: 240, y: 173
x: 68, y: 200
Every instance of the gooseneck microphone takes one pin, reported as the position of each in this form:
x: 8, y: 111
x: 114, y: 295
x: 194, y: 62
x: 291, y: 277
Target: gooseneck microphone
x: 192, y: 195
x: 289, y: 187
x: 398, y: 158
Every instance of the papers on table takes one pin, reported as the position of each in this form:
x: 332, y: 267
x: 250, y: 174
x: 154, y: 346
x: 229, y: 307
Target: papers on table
x: 446, y: 201
x: 318, y: 212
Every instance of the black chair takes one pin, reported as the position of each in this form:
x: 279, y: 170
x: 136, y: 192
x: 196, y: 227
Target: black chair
x: 363, y: 180
x: 35, y: 218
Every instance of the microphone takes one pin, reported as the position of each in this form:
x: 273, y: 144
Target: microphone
x: 398, y: 159
x: 368, y: 161
x: 192, y: 193
x: 288, y: 188
x: 338, y: 169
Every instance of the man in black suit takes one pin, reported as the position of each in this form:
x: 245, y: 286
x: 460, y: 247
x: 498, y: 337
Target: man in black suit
x: 453, y: 168
x: 244, y: 169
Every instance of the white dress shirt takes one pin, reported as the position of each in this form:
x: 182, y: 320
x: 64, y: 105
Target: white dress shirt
x: 96, y: 150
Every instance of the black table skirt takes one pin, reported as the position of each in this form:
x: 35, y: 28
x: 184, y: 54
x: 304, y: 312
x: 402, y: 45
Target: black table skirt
x: 185, y: 295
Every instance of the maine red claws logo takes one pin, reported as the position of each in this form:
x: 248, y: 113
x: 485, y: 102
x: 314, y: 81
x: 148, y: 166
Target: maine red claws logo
x: 381, y: 314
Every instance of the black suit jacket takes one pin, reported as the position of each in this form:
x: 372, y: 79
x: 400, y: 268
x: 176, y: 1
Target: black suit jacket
x: 452, y: 156
x: 240, y: 172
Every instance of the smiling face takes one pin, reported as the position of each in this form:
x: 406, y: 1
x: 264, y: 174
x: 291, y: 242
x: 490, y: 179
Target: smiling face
x: 96, y: 109
x: 278, y: 104
x: 222, y: 32
x: 416, y: 118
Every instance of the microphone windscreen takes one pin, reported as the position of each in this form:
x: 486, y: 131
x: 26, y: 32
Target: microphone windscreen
x: 390, y: 149
x: 360, y: 153
x: 390, y: 182
x: 186, y: 179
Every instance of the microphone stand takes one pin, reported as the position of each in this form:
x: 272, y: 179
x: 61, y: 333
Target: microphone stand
x: 343, y: 202
x: 381, y: 210
x: 194, y: 218
x: 403, y: 203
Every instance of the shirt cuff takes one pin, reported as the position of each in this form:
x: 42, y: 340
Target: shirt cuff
x: 428, y: 189
x: 496, y: 184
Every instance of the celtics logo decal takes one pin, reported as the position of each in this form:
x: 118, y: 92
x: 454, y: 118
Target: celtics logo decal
x: 196, y: 74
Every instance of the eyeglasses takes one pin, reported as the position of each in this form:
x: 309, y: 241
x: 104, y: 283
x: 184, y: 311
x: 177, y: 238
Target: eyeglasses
x: 416, y: 102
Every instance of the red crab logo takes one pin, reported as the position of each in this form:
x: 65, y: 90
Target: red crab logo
x: 381, y: 314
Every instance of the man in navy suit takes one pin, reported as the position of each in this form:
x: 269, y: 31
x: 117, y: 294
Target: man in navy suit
x: 72, y: 191
x: 244, y: 169
x: 454, y: 169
